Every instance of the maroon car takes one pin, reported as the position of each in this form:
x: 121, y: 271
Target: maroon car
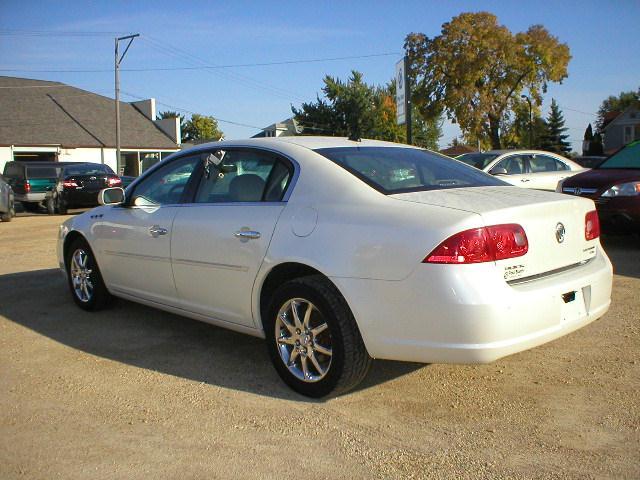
x: 614, y: 186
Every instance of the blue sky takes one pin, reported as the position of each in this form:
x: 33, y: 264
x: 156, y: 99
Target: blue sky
x: 603, y: 38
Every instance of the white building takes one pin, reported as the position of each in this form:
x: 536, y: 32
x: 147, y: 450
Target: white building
x: 52, y: 121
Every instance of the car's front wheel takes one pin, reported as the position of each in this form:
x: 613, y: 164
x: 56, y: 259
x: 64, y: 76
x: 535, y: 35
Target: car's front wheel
x: 313, y: 340
x: 84, y: 278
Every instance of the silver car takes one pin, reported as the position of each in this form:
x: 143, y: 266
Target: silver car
x: 7, y: 209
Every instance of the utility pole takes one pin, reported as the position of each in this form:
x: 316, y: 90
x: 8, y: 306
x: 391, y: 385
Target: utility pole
x: 408, y: 107
x: 530, y: 120
x: 118, y: 60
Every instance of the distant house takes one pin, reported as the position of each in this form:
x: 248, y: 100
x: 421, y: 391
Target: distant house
x: 52, y: 121
x: 456, y: 150
x: 622, y: 129
x: 285, y: 128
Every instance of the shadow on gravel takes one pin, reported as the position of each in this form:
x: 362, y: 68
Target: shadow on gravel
x: 624, y: 252
x: 152, y: 339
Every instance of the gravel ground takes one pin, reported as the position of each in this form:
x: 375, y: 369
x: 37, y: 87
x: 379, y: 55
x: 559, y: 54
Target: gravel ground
x: 137, y: 393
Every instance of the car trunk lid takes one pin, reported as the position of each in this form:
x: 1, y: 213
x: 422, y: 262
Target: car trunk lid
x: 554, y: 223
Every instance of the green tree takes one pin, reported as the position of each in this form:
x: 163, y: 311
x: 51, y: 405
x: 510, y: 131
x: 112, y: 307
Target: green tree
x: 615, y: 104
x: 515, y: 132
x: 476, y: 69
x: 351, y: 109
x: 200, y: 127
x: 555, y: 140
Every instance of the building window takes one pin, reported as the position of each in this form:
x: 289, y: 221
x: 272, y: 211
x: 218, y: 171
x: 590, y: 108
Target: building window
x: 627, y: 135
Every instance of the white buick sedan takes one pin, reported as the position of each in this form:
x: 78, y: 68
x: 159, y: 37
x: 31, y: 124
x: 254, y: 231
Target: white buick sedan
x: 524, y: 168
x: 339, y: 251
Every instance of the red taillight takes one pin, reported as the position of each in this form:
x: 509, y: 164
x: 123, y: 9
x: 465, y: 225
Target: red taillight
x: 27, y: 186
x: 591, y: 225
x: 69, y: 183
x: 114, y: 181
x: 486, y: 244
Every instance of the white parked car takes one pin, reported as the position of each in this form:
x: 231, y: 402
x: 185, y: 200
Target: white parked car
x: 524, y: 168
x: 340, y: 251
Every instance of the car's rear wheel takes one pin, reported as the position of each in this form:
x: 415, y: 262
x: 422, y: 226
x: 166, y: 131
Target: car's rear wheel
x: 84, y: 278
x: 7, y: 216
x: 51, y: 206
x: 313, y: 340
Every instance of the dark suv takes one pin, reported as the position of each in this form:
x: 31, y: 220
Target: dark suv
x: 31, y: 181
x: 78, y: 184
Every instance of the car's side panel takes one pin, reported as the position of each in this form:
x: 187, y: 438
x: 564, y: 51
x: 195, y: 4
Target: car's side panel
x: 132, y: 246
x: 215, y: 266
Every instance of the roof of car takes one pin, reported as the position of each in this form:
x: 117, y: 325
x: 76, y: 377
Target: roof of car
x: 311, y: 142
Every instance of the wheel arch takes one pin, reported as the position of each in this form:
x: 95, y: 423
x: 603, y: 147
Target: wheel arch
x: 71, y: 237
x: 281, y: 273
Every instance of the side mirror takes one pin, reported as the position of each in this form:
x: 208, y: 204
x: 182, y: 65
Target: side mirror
x: 111, y: 196
x: 498, y: 171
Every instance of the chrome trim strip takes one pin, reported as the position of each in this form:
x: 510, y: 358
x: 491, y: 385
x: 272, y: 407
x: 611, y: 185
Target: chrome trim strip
x: 197, y: 263
x: 138, y: 256
x: 550, y: 273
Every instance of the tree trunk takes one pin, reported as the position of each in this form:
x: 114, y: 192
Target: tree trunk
x: 494, y: 132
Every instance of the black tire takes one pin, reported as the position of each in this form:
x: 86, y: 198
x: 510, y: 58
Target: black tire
x: 7, y: 216
x: 31, y: 206
x: 349, y: 361
x: 50, y: 205
x: 60, y: 205
x: 100, y: 297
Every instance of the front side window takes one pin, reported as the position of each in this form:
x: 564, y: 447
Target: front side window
x: 243, y: 176
x: 397, y: 170
x: 514, y: 165
x: 478, y: 160
x: 166, y: 185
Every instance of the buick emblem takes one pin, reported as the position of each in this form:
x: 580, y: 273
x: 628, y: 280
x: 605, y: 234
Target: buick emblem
x: 560, y: 232
x: 578, y: 191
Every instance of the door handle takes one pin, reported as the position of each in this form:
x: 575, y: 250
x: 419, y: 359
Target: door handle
x: 525, y: 180
x: 157, y: 230
x: 247, y: 234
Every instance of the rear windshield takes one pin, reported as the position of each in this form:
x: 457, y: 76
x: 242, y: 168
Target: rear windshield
x: 96, y: 169
x: 42, y: 172
x: 478, y: 160
x: 628, y: 157
x: 398, y: 170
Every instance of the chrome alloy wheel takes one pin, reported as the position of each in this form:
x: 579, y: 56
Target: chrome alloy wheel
x: 81, y: 276
x: 303, y: 340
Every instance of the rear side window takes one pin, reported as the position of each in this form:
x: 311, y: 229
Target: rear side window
x: 544, y: 163
x: 397, y: 170
x: 42, y: 172
x: 87, y: 169
x: 13, y: 170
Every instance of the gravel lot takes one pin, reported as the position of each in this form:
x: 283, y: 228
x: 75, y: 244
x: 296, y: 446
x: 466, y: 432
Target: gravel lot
x: 137, y: 393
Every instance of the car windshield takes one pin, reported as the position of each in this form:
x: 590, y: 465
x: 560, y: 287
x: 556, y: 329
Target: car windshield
x: 628, y: 157
x: 478, y: 160
x: 397, y: 170
x: 95, y: 169
x: 42, y: 172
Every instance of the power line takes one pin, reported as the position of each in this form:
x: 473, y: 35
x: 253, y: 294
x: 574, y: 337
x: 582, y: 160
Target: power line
x: 203, y: 67
x: 54, y: 33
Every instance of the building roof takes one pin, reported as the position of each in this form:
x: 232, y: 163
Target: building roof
x: 457, y: 150
x: 37, y: 112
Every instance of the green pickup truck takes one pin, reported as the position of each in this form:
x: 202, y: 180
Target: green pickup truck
x: 31, y: 181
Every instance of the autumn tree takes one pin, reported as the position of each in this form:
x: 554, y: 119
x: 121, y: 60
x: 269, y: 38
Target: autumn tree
x: 555, y: 140
x: 613, y: 104
x: 476, y: 69
x: 201, y: 127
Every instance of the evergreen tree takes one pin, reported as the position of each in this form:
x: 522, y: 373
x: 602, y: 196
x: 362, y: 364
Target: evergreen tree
x: 555, y: 140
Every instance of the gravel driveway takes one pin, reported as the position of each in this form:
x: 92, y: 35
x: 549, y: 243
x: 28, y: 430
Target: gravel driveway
x: 133, y: 392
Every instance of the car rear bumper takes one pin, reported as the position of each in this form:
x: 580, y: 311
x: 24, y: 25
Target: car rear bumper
x: 468, y: 314
x: 81, y: 198
x: 30, y: 197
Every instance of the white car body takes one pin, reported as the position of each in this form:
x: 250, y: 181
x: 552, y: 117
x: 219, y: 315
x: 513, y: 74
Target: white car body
x: 548, y: 170
x: 371, y: 246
